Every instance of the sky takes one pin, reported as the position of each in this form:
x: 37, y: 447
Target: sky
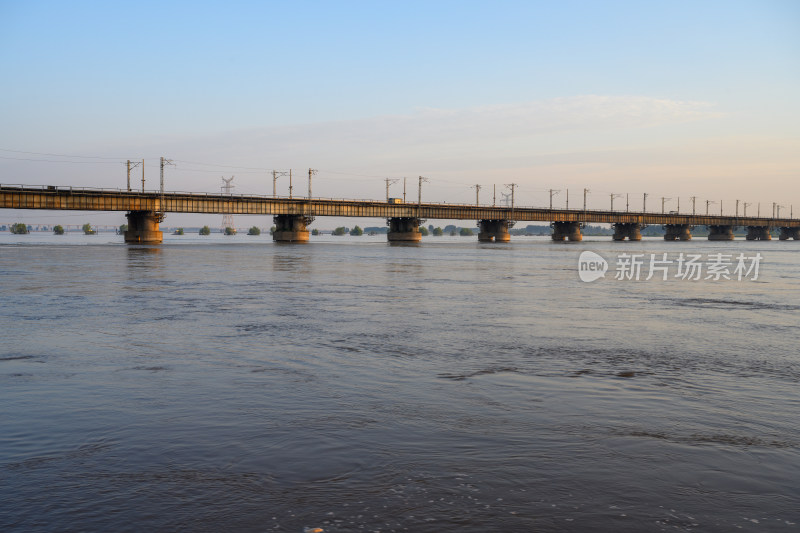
x: 675, y: 99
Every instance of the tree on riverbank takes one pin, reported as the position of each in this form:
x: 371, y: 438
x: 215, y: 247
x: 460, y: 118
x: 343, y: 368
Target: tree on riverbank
x: 58, y: 229
x: 254, y: 231
x: 19, y: 229
x: 205, y: 230
x: 88, y: 230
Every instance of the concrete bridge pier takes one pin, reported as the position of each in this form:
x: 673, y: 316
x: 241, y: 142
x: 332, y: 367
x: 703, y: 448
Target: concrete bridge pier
x: 143, y: 228
x: 566, y: 230
x: 631, y: 230
x: 404, y: 229
x: 494, y: 230
x: 291, y: 228
x: 720, y: 233
x: 758, y: 233
x: 789, y: 233
x: 679, y: 232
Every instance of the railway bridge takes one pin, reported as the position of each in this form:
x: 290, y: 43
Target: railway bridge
x: 292, y: 216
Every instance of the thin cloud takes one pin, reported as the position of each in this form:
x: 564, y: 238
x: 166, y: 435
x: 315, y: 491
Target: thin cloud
x: 430, y: 134
x: 457, y: 143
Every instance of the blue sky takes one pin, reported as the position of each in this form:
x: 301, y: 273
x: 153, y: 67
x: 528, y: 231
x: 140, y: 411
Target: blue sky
x: 615, y: 96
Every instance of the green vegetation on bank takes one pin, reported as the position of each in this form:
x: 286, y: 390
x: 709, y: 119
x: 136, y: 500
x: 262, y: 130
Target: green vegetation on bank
x: 88, y: 230
x: 205, y: 230
x: 58, y: 229
x: 374, y: 230
x: 19, y: 229
x: 254, y: 231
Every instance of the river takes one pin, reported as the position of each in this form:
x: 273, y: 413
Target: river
x: 232, y: 384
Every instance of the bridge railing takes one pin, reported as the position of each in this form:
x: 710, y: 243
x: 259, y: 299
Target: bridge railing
x: 98, y: 190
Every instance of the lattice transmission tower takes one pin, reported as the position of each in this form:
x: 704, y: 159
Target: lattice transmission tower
x: 227, y: 218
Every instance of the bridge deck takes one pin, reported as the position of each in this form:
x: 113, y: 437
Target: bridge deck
x: 66, y: 198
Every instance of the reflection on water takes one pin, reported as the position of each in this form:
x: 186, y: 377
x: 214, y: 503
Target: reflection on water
x: 402, y: 244
x: 143, y: 256
x: 137, y: 251
x: 293, y: 259
x: 350, y: 385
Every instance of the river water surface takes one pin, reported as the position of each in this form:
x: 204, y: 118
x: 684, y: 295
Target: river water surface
x: 232, y: 384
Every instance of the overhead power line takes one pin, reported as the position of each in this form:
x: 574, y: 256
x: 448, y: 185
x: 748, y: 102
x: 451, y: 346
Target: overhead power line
x: 209, y: 171
x: 114, y: 162
x: 260, y: 169
x: 60, y: 155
